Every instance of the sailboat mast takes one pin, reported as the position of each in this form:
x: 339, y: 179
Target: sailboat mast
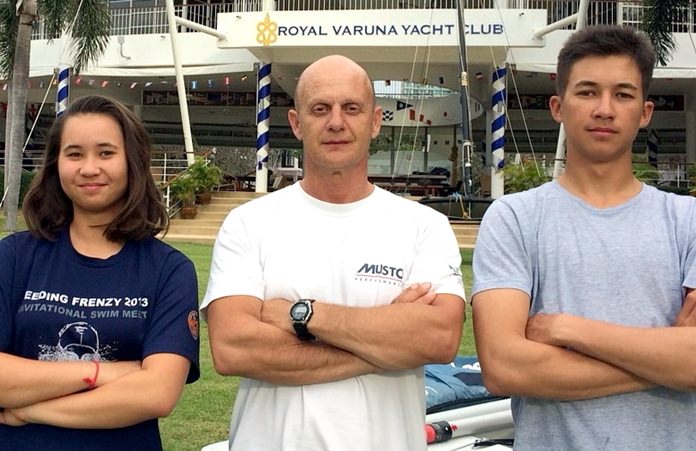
x: 467, y: 146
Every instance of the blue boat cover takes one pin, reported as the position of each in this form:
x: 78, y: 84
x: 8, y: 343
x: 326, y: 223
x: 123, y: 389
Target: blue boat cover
x: 456, y: 384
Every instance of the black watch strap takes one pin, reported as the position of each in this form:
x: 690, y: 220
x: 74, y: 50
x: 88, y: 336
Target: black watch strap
x: 300, y: 324
x: 302, y: 332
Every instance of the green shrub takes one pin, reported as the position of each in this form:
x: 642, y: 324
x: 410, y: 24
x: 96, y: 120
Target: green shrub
x: 524, y: 176
x: 27, y: 177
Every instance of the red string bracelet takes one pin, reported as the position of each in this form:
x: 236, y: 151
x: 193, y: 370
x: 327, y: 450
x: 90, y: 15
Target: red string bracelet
x: 92, y: 381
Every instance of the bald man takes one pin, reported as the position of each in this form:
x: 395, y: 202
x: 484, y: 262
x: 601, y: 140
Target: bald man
x: 330, y: 295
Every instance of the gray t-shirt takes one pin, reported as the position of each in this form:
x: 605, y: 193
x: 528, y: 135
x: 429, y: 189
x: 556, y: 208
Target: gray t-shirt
x: 628, y: 265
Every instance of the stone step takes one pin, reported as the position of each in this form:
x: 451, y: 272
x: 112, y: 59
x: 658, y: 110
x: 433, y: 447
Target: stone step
x: 248, y: 195
x: 193, y: 229
x: 205, y: 227
x: 185, y: 238
x: 182, y: 237
x: 212, y: 215
x: 183, y: 223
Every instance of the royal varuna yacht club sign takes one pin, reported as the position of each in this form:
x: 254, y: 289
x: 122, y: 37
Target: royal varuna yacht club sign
x: 437, y: 27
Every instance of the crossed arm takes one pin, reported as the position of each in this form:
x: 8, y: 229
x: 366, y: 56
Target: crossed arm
x: 567, y: 357
x: 53, y: 392
x: 255, y: 339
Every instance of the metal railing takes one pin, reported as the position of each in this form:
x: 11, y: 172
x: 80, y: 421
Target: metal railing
x: 153, y: 20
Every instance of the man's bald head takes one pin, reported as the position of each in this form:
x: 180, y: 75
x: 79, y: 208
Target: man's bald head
x: 332, y: 64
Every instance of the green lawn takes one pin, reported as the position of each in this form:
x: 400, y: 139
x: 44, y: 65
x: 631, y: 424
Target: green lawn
x: 202, y: 415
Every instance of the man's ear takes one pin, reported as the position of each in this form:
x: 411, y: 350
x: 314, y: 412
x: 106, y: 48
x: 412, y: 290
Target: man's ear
x: 648, y: 108
x: 555, y: 106
x: 376, y: 121
x: 294, y: 120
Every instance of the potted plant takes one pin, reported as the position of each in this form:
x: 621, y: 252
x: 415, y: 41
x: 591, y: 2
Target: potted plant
x: 691, y: 172
x: 183, y: 188
x: 207, y: 177
x: 521, y: 177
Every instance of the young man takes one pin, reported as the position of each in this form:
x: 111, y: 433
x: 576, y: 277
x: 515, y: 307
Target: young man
x: 580, y: 285
x: 328, y: 296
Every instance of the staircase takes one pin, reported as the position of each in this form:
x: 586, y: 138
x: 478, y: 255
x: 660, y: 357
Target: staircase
x: 205, y: 227
x: 466, y: 232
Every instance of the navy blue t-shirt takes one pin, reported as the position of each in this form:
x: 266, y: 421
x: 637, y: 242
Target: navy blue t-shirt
x: 56, y: 304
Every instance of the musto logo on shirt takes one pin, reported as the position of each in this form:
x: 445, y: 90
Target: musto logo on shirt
x: 379, y: 273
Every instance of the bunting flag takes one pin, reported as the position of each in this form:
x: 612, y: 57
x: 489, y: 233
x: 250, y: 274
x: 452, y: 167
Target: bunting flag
x: 62, y: 96
x: 263, y: 125
x: 652, y: 142
x: 421, y: 117
x: 402, y: 105
x: 498, y: 103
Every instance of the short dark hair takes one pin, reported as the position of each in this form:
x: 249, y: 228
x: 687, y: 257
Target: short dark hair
x: 606, y: 40
x: 47, y: 209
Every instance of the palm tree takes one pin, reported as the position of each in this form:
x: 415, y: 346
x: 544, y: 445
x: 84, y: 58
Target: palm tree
x: 87, y: 22
x: 658, y: 16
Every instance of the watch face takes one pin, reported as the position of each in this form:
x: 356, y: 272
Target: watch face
x: 299, y: 311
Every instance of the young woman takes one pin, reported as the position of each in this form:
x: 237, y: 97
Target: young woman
x: 98, y: 319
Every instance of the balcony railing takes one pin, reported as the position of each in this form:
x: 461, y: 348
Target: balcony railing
x: 153, y: 20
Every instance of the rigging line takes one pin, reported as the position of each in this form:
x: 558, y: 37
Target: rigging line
x: 424, y: 72
x: 70, y: 27
x: 464, y: 96
x: 421, y: 102
x: 38, y: 113
x: 50, y: 83
x: 403, y: 120
x: 511, y: 55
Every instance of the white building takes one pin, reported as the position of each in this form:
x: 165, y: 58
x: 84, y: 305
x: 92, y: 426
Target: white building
x: 411, y: 49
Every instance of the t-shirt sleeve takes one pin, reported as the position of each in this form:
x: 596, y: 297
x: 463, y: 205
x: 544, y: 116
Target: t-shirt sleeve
x: 437, y: 259
x: 689, y: 276
x: 501, y: 259
x: 235, y: 268
x: 7, y: 270
x: 174, y: 327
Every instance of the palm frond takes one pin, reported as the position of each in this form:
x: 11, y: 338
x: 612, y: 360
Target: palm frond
x: 90, y: 33
x: 55, y: 14
x: 8, y: 37
x: 658, y: 17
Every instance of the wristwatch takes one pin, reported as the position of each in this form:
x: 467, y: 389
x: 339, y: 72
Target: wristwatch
x: 300, y: 314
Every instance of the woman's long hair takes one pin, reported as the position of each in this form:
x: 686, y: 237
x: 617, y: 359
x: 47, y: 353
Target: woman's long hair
x: 47, y: 209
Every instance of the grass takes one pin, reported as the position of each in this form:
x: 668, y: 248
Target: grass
x: 203, y: 413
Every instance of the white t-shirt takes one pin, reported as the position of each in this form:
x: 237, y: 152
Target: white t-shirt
x: 290, y: 245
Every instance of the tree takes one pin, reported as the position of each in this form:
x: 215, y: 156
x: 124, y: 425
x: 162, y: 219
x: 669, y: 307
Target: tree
x: 658, y: 17
x: 86, y: 22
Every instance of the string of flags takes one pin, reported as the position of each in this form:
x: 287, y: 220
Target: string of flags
x: 210, y: 83
x: 224, y: 81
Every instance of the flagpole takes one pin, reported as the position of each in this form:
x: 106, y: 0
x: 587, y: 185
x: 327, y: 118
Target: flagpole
x: 180, y: 86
